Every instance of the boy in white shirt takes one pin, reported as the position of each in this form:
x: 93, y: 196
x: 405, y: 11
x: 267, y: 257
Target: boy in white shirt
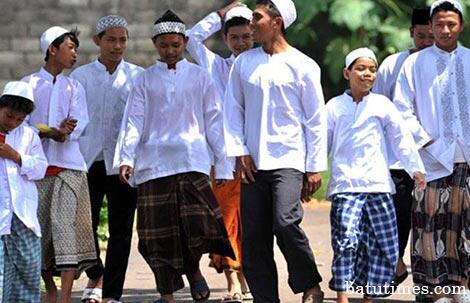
x: 363, y: 223
x: 22, y: 161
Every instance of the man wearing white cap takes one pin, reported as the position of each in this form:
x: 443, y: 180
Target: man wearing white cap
x: 60, y: 116
x: 22, y: 161
x: 433, y: 93
x: 237, y: 36
x: 107, y: 82
x: 275, y: 127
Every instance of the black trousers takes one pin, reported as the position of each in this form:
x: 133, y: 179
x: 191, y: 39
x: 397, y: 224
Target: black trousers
x: 121, y: 210
x: 271, y: 207
x: 402, y: 200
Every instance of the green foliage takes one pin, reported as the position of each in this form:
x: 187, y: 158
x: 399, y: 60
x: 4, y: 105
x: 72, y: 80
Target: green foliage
x: 103, y: 234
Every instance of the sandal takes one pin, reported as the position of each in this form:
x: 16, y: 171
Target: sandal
x: 313, y: 298
x: 400, y: 278
x: 235, y: 298
x: 247, y: 296
x: 92, y: 294
x: 199, y: 288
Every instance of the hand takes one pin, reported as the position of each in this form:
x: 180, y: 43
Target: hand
x: 55, y: 134
x: 125, y: 172
x: 68, y: 125
x: 312, y: 182
x: 223, y: 11
x: 420, y: 181
x: 430, y: 142
x: 7, y: 152
x: 245, y: 168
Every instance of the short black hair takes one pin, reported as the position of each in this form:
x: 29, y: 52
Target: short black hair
x: 17, y: 103
x: 420, y: 16
x: 73, y: 35
x: 235, y: 21
x: 445, y: 7
x: 273, y: 11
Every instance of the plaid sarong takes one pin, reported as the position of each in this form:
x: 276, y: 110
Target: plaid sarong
x: 20, y: 265
x: 440, y: 251
x: 65, y: 217
x: 365, y: 242
x: 178, y: 220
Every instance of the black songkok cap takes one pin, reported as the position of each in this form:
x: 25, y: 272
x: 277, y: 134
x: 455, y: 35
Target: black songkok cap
x: 169, y: 23
x: 420, y: 16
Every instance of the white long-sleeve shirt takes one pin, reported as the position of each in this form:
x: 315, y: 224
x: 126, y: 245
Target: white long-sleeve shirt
x: 173, y: 118
x: 55, y: 101
x: 387, y: 74
x: 106, y: 96
x: 433, y: 94
x: 357, y: 135
x: 18, y: 192
x: 216, y: 65
x: 274, y: 111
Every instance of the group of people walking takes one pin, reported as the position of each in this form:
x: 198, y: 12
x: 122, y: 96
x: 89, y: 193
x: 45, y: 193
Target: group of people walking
x: 217, y: 157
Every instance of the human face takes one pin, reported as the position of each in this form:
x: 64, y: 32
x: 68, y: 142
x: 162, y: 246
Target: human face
x: 422, y: 36
x: 66, y: 54
x: 112, y: 44
x: 361, y: 76
x: 170, y: 47
x: 239, y: 39
x: 10, y: 119
x: 263, y: 26
x: 446, y: 26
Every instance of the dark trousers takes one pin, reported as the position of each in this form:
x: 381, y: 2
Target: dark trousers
x: 271, y: 207
x: 121, y: 209
x: 402, y: 200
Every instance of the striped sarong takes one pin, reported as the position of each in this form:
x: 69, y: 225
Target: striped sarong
x: 178, y: 220
x: 440, y: 252
x: 65, y: 217
x: 365, y: 243
x: 20, y: 264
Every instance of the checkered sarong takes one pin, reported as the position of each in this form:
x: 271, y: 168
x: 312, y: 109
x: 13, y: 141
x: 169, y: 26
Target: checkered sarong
x: 20, y: 265
x: 365, y: 242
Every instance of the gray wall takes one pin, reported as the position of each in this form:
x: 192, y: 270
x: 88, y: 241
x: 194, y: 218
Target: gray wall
x: 23, y: 21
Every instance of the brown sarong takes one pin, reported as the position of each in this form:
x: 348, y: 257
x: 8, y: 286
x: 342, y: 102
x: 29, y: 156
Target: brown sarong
x: 440, y: 251
x: 178, y: 220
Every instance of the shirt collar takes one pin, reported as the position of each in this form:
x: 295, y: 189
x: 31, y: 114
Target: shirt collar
x: 442, y: 52
x: 162, y: 65
x: 48, y: 76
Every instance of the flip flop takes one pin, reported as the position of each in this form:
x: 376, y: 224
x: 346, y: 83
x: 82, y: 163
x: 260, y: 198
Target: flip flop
x: 198, y: 288
x: 95, y: 294
x: 400, y: 278
x: 313, y: 298
x: 235, y: 298
x: 247, y: 296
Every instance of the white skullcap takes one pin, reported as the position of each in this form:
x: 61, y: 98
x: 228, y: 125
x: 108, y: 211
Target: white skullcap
x: 110, y: 21
x: 50, y: 35
x: 455, y: 3
x: 239, y: 11
x: 358, y: 53
x: 287, y: 10
x: 20, y: 89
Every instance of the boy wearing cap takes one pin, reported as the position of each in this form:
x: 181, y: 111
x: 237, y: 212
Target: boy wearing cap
x: 22, y: 161
x: 275, y: 127
x: 364, y: 232
x: 60, y: 115
x: 423, y: 37
x: 173, y: 120
x: 107, y: 82
x: 432, y: 92
x: 235, y: 19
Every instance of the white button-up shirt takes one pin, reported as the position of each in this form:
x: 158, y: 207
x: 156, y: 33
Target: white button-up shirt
x: 357, y: 135
x: 18, y: 192
x: 106, y: 96
x: 55, y: 101
x: 388, y: 73
x: 274, y: 111
x: 433, y: 94
x: 173, y: 118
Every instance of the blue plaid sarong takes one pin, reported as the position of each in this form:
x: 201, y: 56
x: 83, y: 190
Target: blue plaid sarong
x: 20, y: 265
x: 365, y: 243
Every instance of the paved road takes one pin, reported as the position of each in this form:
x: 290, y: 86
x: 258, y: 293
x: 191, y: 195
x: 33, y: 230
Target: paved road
x: 140, y: 284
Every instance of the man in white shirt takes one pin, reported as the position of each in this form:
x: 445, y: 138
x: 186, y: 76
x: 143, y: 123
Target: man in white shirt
x: 107, y: 82
x: 22, y: 161
x: 237, y: 36
x: 275, y: 127
x: 432, y: 92
x: 173, y: 122
x: 60, y: 116
x: 420, y: 32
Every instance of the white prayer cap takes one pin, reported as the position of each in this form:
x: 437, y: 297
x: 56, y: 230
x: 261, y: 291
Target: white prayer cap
x: 454, y: 3
x: 358, y: 53
x: 287, y: 10
x: 20, y: 89
x: 239, y: 11
x: 50, y: 35
x: 110, y: 21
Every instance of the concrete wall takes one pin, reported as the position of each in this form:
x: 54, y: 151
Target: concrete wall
x: 23, y: 22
